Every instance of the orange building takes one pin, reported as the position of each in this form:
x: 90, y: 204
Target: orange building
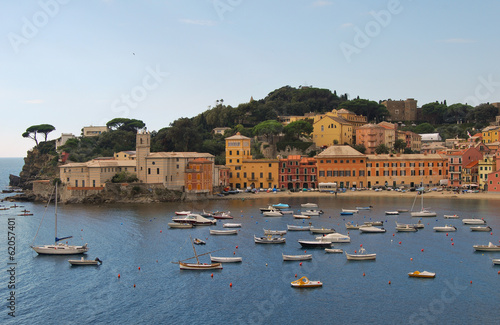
x: 406, y: 170
x: 370, y: 136
x: 342, y: 165
x: 199, y: 176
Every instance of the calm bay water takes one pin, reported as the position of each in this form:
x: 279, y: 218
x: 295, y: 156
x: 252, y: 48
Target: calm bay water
x: 126, y: 237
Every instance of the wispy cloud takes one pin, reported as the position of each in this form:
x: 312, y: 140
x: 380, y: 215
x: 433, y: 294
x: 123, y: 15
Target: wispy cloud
x: 346, y: 25
x: 198, y: 22
x: 457, y: 40
x: 322, y: 3
x: 33, y: 101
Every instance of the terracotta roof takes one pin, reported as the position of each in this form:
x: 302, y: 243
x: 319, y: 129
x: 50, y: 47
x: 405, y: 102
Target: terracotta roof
x: 339, y: 151
x: 238, y: 136
x: 472, y: 164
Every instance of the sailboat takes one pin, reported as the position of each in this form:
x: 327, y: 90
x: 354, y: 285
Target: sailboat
x: 59, y: 248
x: 423, y: 211
x: 198, y: 265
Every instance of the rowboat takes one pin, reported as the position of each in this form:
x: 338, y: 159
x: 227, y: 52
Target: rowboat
x: 322, y: 230
x: 364, y: 208
x: 197, y: 265
x: 487, y: 248
x: 371, y: 229
x: 269, y: 239
x: 223, y: 232
x: 274, y: 232
x: 275, y: 213
x: 333, y: 250
x: 312, y: 213
x: 309, y: 205
x: 296, y: 257
x: 301, y: 216
x: 423, y: 274
x: 496, y: 261
x: 198, y: 241
x: 480, y: 228
x: 451, y: 216
x: 83, y: 261
x: 392, y: 213
x: 473, y: 221
x: 180, y: 225
x: 231, y: 225
x: 360, y: 255
x: 446, y: 228
x: 353, y: 210
x: 298, y: 228
x: 304, y: 282
x: 315, y: 243
x: 225, y: 259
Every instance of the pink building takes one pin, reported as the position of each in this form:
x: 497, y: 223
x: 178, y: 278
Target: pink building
x: 493, y: 182
x: 457, y: 160
x: 370, y: 136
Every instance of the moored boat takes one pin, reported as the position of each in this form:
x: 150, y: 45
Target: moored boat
x: 225, y: 259
x: 364, y: 208
x: 298, y: 228
x: 315, y: 230
x: 223, y: 232
x: 311, y: 213
x: 281, y: 206
x: 405, y: 228
x: 301, y: 216
x: 360, y: 255
x: 198, y: 241
x: 480, y: 228
x: 180, y: 225
x: 83, y: 261
x: 274, y: 213
x: 182, y: 213
x: 334, y: 250
x: 392, y: 213
x: 371, y: 229
x: 223, y: 215
x: 496, y: 261
x: 423, y: 274
x: 304, y: 282
x: 231, y: 225
x: 445, y: 228
x: 350, y: 210
x: 335, y: 238
x: 194, y: 219
x: 197, y: 266
x: 487, y: 248
x: 451, y: 216
x: 374, y: 223
x: 303, y: 257
x: 315, y: 243
x: 351, y: 226
x: 473, y: 221
x: 274, y: 232
x: 309, y: 205
x: 269, y: 239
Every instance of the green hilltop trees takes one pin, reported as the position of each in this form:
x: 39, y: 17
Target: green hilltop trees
x: 33, y: 130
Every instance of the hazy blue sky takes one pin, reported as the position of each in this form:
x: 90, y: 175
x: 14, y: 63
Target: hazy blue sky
x: 78, y: 63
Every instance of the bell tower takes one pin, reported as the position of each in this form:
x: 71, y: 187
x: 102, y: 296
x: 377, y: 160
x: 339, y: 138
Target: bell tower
x: 142, y: 150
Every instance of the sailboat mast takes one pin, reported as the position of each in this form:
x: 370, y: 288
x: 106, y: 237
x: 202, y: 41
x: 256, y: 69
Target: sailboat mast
x: 194, y: 249
x: 55, y: 234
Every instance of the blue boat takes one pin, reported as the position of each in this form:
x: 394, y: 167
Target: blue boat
x: 346, y: 213
x: 281, y: 206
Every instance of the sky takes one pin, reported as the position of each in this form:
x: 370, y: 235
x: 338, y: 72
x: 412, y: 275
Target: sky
x: 76, y: 63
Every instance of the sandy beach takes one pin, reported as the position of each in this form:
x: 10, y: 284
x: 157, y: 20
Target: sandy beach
x: 447, y: 195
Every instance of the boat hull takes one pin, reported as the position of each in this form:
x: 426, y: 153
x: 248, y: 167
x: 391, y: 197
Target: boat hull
x: 423, y: 274
x: 359, y: 257
x: 314, y: 244
x: 226, y: 259
x: 480, y: 228
x: 200, y: 267
x: 60, y: 249
x: 223, y: 232
x: 297, y: 257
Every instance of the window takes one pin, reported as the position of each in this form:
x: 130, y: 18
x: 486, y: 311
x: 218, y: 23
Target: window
x: 269, y: 165
x: 394, y: 173
x: 321, y: 173
x: 376, y: 165
x: 177, y: 166
x: 158, y: 171
x: 361, y: 173
x: 376, y: 173
x: 261, y: 175
x: 368, y: 164
x: 149, y: 171
x: 270, y: 176
x: 237, y: 152
x: 237, y: 175
x: 329, y: 161
x: 230, y: 152
x: 245, y: 175
x: 329, y: 173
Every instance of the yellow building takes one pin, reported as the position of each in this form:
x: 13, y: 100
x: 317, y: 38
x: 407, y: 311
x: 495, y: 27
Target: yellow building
x: 331, y: 130
x: 491, y: 134
x: 93, y: 131
x: 124, y: 155
x: 237, y: 149
x: 486, y: 166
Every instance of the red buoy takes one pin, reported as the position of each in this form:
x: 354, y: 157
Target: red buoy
x: 134, y: 285
x: 118, y: 275
x: 300, y: 264
x: 389, y: 282
x: 422, y: 249
x: 363, y: 273
x: 231, y: 285
x: 399, y: 243
x: 212, y: 275
x: 139, y: 268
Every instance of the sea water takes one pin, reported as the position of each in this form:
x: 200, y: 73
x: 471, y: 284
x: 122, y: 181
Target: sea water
x: 138, y: 283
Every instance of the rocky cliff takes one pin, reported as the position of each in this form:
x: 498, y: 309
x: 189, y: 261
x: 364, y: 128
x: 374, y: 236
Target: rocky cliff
x: 38, y: 166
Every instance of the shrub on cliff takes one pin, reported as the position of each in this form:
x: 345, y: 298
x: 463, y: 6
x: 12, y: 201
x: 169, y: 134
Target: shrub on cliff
x: 124, y: 177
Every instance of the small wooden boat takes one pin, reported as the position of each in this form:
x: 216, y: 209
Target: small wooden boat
x: 402, y: 210
x: 198, y: 241
x: 322, y: 230
x: 223, y: 232
x: 274, y: 232
x: 182, y: 213
x: 473, y: 221
x: 298, y: 228
x: 225, y: 259
x: 371, y: 229
x: 315, y: 243
x: 360, y: 255
x: 451, y: 216
x: 301, y: 216
x: 312, y: 213
x: 423, y: 274
x: 297, y: 257
x: 197, y: 266
x: 392, y: 213
x: 25, y: 214
x: 269, y: 239
x: 446, y: 228
x: 309, y: 205
x: 351, y: 226
x: 83, y: 261
x: 275, y: 213
x: 304, y: 282
x: 180, y: 225
x: 231, y: 225
x: 406, y: 228
x: 480, y: 228
x: 487, y: 248
x: 333, y: 250
x: 353, y: 210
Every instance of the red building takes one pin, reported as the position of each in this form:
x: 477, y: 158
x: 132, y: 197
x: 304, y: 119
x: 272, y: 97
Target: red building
x: 298, y: 172
x: 199, y: 176
x: 457, y: 160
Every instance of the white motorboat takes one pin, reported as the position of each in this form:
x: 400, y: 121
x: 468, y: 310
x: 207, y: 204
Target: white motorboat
x: 194, y: 219
x: 374, y: 223
x: 274, y: 213
x: 480, y: 228
x: 351, y: 226
x: 180, y: 225
x: 269, y: 208
x: 315, y: 243
x: 312, y: 213
x: 269, y: 239
x: 364, y: 208
x: 371, y: 229
x: 322, y: 230
x: 350, y: 210
x: 231, y: 225
x: 301, y: 216
x: 274, y: 232
x: 392, y: 213
x: 225, y: 259
x: 309, y: 205
x: 473, y: 221
x: 223, y: 232
x: 334, y: 250
x: 446, y: 228
x: 335, y: 238
x: 297, y: 257
x: 59, y: 248
x: 487, y: 248
x: 83, y: 261
x: 182, y: 213
x: 496, y: 261
x: 298, y: 228
x: 451, y: 216
x: 360, y: 255
x: 223, y: 215
x: 406, y: 228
